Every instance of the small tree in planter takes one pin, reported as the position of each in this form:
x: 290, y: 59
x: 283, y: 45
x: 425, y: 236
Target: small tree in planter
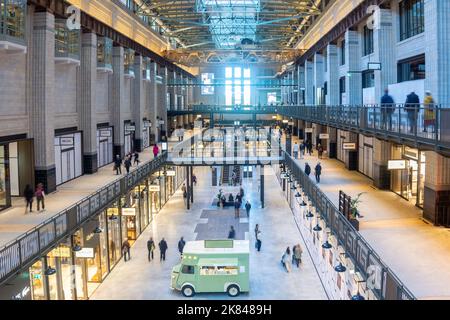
x: 354, y: 210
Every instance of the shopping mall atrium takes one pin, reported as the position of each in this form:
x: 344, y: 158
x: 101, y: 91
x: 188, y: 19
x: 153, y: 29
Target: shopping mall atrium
x: 224, y: 150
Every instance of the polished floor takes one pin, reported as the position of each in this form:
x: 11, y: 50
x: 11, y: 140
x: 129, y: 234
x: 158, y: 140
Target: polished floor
x: 140, y: 279
x: 417, y: 251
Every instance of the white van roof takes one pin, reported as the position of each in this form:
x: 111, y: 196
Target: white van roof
x: 198, y: 247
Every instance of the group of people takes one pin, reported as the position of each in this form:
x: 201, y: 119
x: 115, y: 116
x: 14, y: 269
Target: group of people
x: 30, y: 194
x: 292, y: 257
x: 411, y: 107
x: 237, y: 202
x: 130, y: 159
x: 151, y: 246
x: 317, y: 171
x: 306, y: 147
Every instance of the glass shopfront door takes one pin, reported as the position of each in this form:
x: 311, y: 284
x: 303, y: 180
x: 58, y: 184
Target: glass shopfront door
x: 68, y: 157
x: 5, y: 191
x: 114, y: 237
x: 104, y: 146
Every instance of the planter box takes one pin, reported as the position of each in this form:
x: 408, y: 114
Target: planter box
x: 354, y: 223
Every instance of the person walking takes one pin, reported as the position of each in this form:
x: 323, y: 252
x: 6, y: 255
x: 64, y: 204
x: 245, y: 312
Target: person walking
x: 257, y: 231
x: 128, y: 164
x: 318, y: 172
x: 232, y: 233
x: 163, y: 249
x: 296, y: 150
x: 302, y: 150
x: 387, y: 110
x: 248, y: 207
x: 151, y: 249
x: 307, y: 169
x: 297, y: 255
x: 320, y: 151
x: 237, y: 207
x: 181, y: 245
x: 310, y: 148
x: 126, y: 248
x: 258, y: 245
x: 118, y: 165
x: 194, y: 179
x: 40, y: 197
x: 136, y: 159
x: 28, y: 194
x: 155, y: 150
x: 286, y: 260
x: 412, y: 109
x: 429, y: 116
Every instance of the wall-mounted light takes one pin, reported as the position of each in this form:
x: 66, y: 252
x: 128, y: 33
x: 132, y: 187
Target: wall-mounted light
x: 50, y: 271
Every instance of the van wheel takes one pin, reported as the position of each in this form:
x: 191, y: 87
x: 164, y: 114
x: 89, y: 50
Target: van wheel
x: 233, y: 291
x: 188, y: 291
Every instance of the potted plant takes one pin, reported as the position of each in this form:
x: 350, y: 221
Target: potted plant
x: 354, y: 210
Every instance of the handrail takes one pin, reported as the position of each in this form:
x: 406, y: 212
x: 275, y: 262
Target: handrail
x: 24, y: 249
x: 343, y: 231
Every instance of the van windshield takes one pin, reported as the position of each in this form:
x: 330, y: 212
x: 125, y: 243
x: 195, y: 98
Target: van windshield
x: 187, y: 270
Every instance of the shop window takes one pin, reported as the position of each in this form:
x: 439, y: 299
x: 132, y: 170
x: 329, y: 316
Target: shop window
x: 188, y: 270
x: 367, y: 41
x: 368, y: 79
x: 68, y: 157
x: 12, y: 19
x: 343, y: 52
x: 37, y: 274
x: 412, y: 18
x: 411, y: 69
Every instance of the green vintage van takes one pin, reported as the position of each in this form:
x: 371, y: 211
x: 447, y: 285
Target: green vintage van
x: 213, y: 266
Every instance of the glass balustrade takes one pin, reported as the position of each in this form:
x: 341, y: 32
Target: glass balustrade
x: 104, y: 53
x: 67, y: 42
x: 12, y: 20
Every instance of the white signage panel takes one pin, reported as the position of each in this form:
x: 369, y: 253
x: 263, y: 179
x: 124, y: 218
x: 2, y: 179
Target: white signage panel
x: 128, y: 211
x: 324, y: 136
x: 85, y: 253
x: 396, y: 164
x: 309, y: 130
x: 349, y: 146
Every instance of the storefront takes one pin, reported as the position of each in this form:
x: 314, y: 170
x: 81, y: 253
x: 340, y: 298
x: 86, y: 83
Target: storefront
x: 408, y: 173
x: 365, y: 162
x: 16, y: 169
x: 76, y: 266
x: 105, y: 145
x: 146, y: 134
x: 68, y: 157
x: 130, y: 130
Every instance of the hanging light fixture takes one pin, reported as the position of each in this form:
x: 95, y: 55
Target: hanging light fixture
x: 317, y: 228
x: 358, y: 296
x: 97, y: 230
x: 77, y: 248
x: 50, y: 271
x: 340, y: 268
x: 309, y: 214
x: 327, y: 245
x: 114, y: 217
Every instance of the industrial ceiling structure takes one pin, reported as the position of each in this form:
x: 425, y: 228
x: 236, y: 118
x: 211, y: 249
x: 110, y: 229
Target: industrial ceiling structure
x: 217, y: 31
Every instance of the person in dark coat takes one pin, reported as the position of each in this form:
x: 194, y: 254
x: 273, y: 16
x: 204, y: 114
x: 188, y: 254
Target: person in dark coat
x: 126, y: 248
x: 163, y: 248
x: 237, y: 208
x: 136, y: 159
x: 307, y: 169
x: 387, y: 109
x: 248, y: 207
x: 181, y: 245
x: 318, y: 172
x: 151, y: 248
x: 128, y: 164
x: 412, y: 109
x: 232, y: 233
x: 118, y: 165
x: 29, y: 195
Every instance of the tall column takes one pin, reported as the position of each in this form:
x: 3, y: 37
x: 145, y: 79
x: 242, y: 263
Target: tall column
x: 301, y: 84
x: 319, y: 71
x: 43, y: 99
x: 87, y: 95
x: 162, y: 102
x: 332, y: 75
x: 437, y: 189
x: 437, y: 44
x: 154, y: 100
x: 382, y: 154
x: 383, y: 38
x: 353, y: 80
x: 332, y: 143
x: 309, y: 82
x: 262, y: 187
x: 138, y: 102
x: 117, y: 103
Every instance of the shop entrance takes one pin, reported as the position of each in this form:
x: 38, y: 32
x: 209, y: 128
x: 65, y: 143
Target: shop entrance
x: 409, y: 182
x: 104, y: 146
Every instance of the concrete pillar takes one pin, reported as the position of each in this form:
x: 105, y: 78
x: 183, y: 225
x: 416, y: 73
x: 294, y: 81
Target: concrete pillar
x: 332, y: 143
x: 117, y: 101
x: 154, y: 100
x: 87, y: 95
x: 332, y: 77
x: 138, y: 102
x: 43, y: 99
x: 381, y: 155
x: 384, y: 52
x: 437, y: 44
x: 353, y: 80
x: 262, y: 187
x: 319, y: 70
x: 309, y: 82
x: 437, y: 189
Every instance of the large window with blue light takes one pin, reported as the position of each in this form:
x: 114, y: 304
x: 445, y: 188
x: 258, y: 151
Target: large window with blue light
x: 237, y: 86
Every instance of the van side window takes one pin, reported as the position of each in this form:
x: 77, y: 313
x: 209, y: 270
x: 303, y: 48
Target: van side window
x: 188, y: 270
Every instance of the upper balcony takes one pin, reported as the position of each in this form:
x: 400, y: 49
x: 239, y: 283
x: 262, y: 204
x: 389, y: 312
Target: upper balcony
x: 12, y: 26
x: 67, y: 44
x: 104, y: 55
